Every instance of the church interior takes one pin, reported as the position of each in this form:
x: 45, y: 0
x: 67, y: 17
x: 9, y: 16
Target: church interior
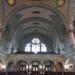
x: 37, y: 37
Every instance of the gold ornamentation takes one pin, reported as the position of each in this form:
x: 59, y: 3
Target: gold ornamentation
x: 60, y: 3
x: 11, y: 2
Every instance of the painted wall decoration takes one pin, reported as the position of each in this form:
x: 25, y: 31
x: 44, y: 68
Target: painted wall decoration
x: 11, y: 2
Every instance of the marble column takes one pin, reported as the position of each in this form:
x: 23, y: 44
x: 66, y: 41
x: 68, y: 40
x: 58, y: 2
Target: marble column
x: 70, y: 27
x: 71, y: 38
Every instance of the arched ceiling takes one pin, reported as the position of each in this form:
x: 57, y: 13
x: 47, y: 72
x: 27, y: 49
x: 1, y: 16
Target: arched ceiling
x: 36, y: 19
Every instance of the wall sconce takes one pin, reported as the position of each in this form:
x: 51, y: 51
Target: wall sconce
x: 30, y: 66
x: 26, y: 67
x: 40, y: 66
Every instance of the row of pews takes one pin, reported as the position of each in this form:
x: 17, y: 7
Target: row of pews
x: 37, y: 73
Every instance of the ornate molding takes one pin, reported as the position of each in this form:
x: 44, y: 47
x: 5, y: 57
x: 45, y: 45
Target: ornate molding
x: 70, y: 30
x: 31, y: 57
x: 60, y: 3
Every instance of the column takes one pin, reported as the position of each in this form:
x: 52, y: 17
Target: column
x: 15, y: 65
x: 71, y: 38
x: 70, y: 27
x: 1, y: 28
x: 28, y: 69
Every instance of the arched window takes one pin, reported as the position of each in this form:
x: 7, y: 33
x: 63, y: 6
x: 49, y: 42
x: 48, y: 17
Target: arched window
x: 43, y: 47
x: 35, y: 46
x: 27, y: 49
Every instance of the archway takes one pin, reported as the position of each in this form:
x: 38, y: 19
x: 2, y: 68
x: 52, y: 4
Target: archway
x: 35, y: 67
x: 30, y: 21
x: 59, y: 67
x: 21, y: 65
x: 49, y: 66
x: 10, y: 66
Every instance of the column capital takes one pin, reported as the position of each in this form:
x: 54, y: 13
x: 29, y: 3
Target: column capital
x: 73, y: 48
x: 69, y: 30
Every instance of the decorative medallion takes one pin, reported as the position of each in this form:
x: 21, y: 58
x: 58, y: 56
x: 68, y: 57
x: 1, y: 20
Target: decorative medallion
x: 11, y: 2
x: 60, y: 3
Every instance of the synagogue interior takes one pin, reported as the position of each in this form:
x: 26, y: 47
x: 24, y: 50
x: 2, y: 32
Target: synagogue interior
x: 37, y: 37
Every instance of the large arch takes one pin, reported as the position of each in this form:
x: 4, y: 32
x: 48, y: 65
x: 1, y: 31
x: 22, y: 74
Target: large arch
x: 23, y: 6
x: 21, y: 65
x: 10, y: 66
x: 52, y: 24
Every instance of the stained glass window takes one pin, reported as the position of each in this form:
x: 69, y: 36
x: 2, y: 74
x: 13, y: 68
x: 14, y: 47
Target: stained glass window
x: 35, y: 46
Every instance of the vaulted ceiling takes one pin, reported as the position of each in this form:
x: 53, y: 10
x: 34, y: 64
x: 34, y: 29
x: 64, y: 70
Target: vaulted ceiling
x: 25, y: 22
x: 36, y: 19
